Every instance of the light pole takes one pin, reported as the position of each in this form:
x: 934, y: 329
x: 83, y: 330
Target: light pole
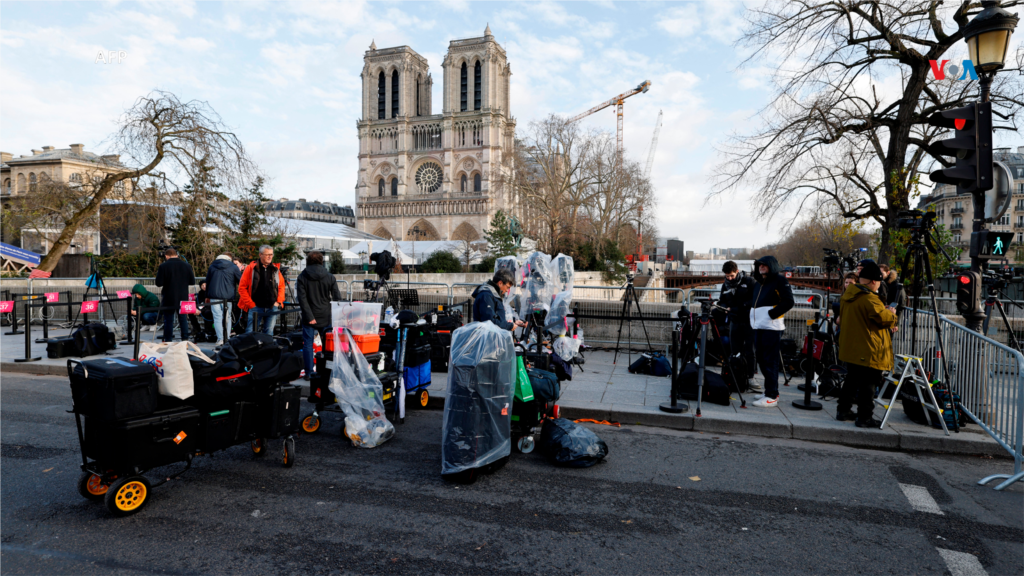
x: 988, y: 39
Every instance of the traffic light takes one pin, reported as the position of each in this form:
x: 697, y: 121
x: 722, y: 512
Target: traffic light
x: 971, y: 145
x: 968, y: 291
x: 989, y: 244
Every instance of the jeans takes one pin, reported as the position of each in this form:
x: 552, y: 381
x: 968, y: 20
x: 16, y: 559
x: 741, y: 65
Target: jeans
x: 218, y: 319
x: 149, y: 318
x: 268, y: 321
x: 169, y: 326
x: 308, y: 333
x: 859, y: 387
x: 767, y: 344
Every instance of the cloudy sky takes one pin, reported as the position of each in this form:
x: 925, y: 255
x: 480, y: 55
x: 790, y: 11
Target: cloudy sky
x: 285, y: 76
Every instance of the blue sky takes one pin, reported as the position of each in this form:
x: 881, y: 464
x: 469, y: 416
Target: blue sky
x: 285, y: 76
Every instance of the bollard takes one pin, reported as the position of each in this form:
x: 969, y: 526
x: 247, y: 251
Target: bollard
x: 46, y: 326
x: 673, y: 407
x: 14, y: 317
x: 807, y: 403
x: 28, y: 337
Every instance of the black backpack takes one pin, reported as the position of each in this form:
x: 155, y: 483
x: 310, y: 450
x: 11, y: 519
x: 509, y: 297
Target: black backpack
x: 92, y: 339
x: 652, y: 364
x: 715, y: 389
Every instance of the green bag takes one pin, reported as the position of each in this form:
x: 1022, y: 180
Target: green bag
x: 524, y: 390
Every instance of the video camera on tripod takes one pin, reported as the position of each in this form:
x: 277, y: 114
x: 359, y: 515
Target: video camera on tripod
x: 915, y: 220
x: 836, y: 262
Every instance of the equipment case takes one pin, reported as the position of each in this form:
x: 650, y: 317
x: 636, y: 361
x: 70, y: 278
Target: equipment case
x: 113, y: 388
x: 160, y: 438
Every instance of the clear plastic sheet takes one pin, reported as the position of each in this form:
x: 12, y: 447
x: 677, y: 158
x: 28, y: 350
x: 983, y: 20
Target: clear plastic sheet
x: 563, y: 275
x: 511, y: 264
x: 566, y: 347
x: 360, y: 318
x: 477, y: 421
x: 360, y: 394
x: 538, y: 284
x: 566, y: 443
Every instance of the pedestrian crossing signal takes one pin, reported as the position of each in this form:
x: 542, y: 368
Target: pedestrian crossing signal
x: 989, y: 244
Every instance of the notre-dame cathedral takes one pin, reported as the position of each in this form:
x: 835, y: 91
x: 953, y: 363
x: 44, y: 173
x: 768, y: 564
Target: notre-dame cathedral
x: 426, y: 176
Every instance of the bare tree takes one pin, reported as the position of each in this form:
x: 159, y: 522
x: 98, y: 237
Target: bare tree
x: 830, y: 129
x: 168, y: 140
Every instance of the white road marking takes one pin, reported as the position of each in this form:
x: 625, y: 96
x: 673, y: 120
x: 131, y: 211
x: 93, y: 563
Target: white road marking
x: 920, y: 499
x: 962, y: 563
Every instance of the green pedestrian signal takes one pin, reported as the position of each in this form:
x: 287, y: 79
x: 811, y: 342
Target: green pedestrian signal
x: 989, y: 244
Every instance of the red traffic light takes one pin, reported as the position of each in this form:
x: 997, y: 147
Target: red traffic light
x: 965, y: 279
x: 959, y: 123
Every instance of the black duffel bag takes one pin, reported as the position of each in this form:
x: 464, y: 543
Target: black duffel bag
x: 250, y: 348
x: 92, y: 339
x: 715, y: 390
x: 566, y: 443
x: 546, y: 388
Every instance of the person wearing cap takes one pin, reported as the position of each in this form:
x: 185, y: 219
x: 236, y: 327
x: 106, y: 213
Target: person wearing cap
x: 882, y: 288
x: 865, y: 345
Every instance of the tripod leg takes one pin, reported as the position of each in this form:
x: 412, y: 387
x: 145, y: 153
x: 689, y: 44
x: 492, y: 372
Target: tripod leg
x: 700, y: 364
x: 640, y: 314
x: 938, y: 338
x: 1014, y: 343
x: 622, y: 318
x: 727, y: 362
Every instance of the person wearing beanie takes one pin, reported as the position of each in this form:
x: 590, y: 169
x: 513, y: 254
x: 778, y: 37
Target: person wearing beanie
x: 222, y: 280
x: 865, y: 344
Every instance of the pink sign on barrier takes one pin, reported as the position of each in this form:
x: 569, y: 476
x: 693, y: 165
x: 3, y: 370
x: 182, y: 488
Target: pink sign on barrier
x: 90, y: 306
x: 188, y: 308
x: 52, y: 297
x: 6, y: 306
x: 124, y: 293
x: 192, y: 297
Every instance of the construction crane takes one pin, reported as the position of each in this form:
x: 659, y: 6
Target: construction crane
x: 654, y: 146
x: 617, y: 102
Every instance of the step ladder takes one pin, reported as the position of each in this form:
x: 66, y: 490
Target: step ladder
x: 912, y: 372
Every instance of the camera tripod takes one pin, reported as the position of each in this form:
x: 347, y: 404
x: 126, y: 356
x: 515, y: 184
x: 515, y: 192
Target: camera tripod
x: 829, y: 323
x: 914, y: 263
x: 695, y: 345
x: 994, y: 291
x: 630, y: 296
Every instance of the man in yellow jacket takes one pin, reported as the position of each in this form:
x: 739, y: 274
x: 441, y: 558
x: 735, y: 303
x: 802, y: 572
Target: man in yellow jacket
x: 865, y: 345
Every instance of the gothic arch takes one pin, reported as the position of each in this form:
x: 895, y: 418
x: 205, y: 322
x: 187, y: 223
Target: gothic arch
x: 465, y: 231
x: 380, y: 173
x: 383, y: 232
x: 422, y: 230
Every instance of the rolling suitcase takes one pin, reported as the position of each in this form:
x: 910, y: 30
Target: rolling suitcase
x: 113, y: 388
x: 61, y: 347
x: 281, y: 406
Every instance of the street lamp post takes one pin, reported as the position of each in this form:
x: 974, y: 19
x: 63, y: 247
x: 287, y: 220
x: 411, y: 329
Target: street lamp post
x: 988, y: 38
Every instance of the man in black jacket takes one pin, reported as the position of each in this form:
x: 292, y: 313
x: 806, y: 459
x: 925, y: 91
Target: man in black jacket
x: 222, y: 280
x: 737, y: 290
x: 772, y: 298
x: 487, y: 300
x: 317, y: 288
x: 174, y: 277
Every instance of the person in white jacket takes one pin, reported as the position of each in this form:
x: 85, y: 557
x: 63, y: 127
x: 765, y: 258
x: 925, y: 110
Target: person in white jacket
x: 772, y: 298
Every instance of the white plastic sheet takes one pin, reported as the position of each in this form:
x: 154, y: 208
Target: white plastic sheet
x: 511, y: 264
x: 566, y: 347
x: 359, y: 317
x: 538, y: 286
x: 563, y: 275
x: 360, y: 394
x: 477, y: 423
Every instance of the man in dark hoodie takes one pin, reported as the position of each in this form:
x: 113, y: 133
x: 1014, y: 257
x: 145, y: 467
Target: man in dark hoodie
x: 174, y: 276
x: 142, y: 298
x: 865, y: 344
x: 737, y: 290
x: 222, y: 280
x: 772, y: 298
x: 487, y: 303
x: 317, y: 288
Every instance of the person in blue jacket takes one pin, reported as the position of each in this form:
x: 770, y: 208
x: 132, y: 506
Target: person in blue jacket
x: 487, y: 303
x: 772, y: 298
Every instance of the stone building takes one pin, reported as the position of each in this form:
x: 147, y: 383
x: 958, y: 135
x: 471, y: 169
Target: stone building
x: 315, y: 211
x: 426, y: 176
x: 956, y: 212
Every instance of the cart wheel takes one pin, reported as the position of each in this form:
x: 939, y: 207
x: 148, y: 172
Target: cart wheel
x: 289, y: 452
x: 259, y: 446
x: 311, y: 424
x: 91, y: 486
x: 526, y: 444
x: 424, y: 398
x: 127, y: 495
x: 556, y: 411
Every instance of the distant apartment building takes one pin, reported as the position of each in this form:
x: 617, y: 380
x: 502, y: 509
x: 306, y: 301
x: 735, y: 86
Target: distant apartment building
x: 315, y: 211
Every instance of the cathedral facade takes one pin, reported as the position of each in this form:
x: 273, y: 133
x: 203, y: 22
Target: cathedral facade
x: 426, y: 176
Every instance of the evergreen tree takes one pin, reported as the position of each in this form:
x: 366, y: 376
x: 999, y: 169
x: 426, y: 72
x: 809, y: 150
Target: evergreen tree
x: 499, y: 237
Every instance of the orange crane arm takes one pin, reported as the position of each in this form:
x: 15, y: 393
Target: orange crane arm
x: 643, y: 87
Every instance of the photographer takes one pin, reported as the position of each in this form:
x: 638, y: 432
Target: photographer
x: 487, y: 300
x: 771, y: 300
x: 865, y: 345
x: 317, y: 288
x: 261, y: 291
x: 737, y: 291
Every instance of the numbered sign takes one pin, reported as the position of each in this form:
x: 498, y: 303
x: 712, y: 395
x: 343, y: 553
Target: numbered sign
x: 819, y: 347
x: 90, y: 306
x: 52, y: 297
x: 124, y: 294
x: 7, y: 306
x: 188, y: 308
x: 192, y: 297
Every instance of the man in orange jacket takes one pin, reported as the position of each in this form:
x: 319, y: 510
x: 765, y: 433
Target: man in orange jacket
x: 261, y: 291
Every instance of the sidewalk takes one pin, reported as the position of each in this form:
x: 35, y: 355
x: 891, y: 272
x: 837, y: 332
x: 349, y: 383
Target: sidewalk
x: 606, y: 391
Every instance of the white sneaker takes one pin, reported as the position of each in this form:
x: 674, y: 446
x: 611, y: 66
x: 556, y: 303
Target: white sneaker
x: 218, y: 343
x: 766, y: 402
x: 759, y: 396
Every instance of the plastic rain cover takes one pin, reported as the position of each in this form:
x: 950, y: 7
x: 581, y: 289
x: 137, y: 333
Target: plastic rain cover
x: 566, y: 347
x: 476, y: 428
x: 538, y: 286
x: 511, y: 264
x: 561, y: 305
x: 359, y: 393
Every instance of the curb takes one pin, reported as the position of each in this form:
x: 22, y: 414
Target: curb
x: 33, y: 368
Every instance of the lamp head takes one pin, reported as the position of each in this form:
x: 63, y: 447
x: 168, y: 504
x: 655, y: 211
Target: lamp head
x: 988, y: 36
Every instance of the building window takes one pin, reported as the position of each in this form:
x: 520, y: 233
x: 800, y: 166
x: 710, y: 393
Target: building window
x: 476, y: 183
x: 381, y: 94
x: 958, y: 222
x: 31, y: 182
x: 418, y: 112
x: 1020, y: 221
x: 476, y: 86
x: 1003, y: 221
x: 465, y: 86
x: 959, y: 205
x: 380, y: 187
x: 394, y: 186
x: 462, y: 184
x: 76, y: 178
x: 7, y: 186
x: 956, y: 238
x: 394, y: 94
x: 428, y: 177
x: 1020, y: 187
x: 1020, y: 204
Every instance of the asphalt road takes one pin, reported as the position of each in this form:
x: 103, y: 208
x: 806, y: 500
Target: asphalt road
x: 662, y: 502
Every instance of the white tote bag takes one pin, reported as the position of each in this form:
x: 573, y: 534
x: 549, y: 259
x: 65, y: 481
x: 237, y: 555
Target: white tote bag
x: 172, y: 366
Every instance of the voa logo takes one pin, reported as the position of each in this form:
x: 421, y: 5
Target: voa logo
x: 962, y: 71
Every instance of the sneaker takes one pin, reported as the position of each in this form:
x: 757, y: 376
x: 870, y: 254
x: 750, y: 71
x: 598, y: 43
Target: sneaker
x: 766, y: 402
x: 759, y: 396
x: 755, y: 387
x: 846, y: 416
x: 871, y: 423
x: 218, y: 343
